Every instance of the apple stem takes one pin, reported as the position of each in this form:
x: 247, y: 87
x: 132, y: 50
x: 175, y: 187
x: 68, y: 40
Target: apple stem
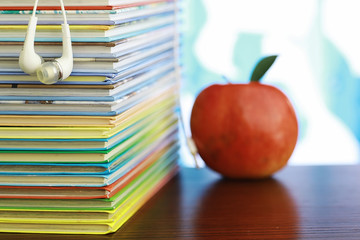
x: 226, y: 79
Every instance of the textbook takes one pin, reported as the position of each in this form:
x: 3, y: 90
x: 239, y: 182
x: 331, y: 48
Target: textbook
x: 81, y: 33
x: 71, y: 3
x: 131, y: 131
x: 81, y: 132
x: 81, y: 156
x: 82, y: 92
x: 97, y: 161
x: 124, y: 204
x: 91, y: 204
x: 94, y: 78
x: 82, y: 173
x: 51, y: 192
x: 54, y: 31
x: 31, y: 208
x: 84, y: 179
x: 96, y: 17
x: 94, y: 49
x: 97, y: 65
x: 86, y: 108
x: 166, y: 99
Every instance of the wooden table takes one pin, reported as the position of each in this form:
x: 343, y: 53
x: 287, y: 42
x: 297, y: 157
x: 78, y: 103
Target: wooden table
x: 302, y: 202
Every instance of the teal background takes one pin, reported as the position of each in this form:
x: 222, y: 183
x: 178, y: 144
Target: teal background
x: 339, y: 85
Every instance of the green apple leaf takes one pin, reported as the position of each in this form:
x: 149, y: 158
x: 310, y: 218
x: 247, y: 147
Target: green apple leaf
x: 261, y: 68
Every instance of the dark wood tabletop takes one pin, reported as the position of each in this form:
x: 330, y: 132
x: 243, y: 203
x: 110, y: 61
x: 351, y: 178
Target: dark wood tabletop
x: 299, y: 202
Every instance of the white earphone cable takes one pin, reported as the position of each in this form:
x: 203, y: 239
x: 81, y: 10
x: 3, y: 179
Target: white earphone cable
x: 35, y: 7
x: 32, y: 63
x: 189, y: 141
x: 63, y: 11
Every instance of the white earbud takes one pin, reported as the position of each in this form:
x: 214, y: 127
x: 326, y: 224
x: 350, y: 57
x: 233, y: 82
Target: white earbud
x: 31, y: 63
x: 29, y: 60
x: 60, y: 68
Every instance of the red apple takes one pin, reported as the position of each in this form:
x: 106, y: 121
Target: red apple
x: 244, y: 130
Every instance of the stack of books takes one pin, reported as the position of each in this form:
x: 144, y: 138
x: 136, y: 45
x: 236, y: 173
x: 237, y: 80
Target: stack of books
x: 83, y: 155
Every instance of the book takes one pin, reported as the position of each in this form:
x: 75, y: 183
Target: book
x: 98, y: 108
x: 84, y: 92
x: 124, y: 204
x: 71, y: 3
x: 97, y: 161
x: 125, y: 137
x: 75, y: 144
x: 108, y: 65
x: 81, y: 33
x: 48, y: 200
x: 91, y: 209
x: 166, y: 98
x: 84, y: 204
x: 131, y: 128
x: 51, y: 192
x: 96, y: 17
x: 81, y: 132
x: 94, y: 49
x: 83, y: 155
x: 83, y: 180
x: 94, y: 78
x: 127, y: 159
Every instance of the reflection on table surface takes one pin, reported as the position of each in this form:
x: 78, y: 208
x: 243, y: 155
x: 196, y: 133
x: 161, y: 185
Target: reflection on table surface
x: 299, y: 202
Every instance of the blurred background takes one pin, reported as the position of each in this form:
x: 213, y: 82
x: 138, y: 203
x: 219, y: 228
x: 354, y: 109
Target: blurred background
x: 318, y: 68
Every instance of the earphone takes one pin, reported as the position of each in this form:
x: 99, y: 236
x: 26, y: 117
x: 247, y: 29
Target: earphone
x: 32, y: 63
